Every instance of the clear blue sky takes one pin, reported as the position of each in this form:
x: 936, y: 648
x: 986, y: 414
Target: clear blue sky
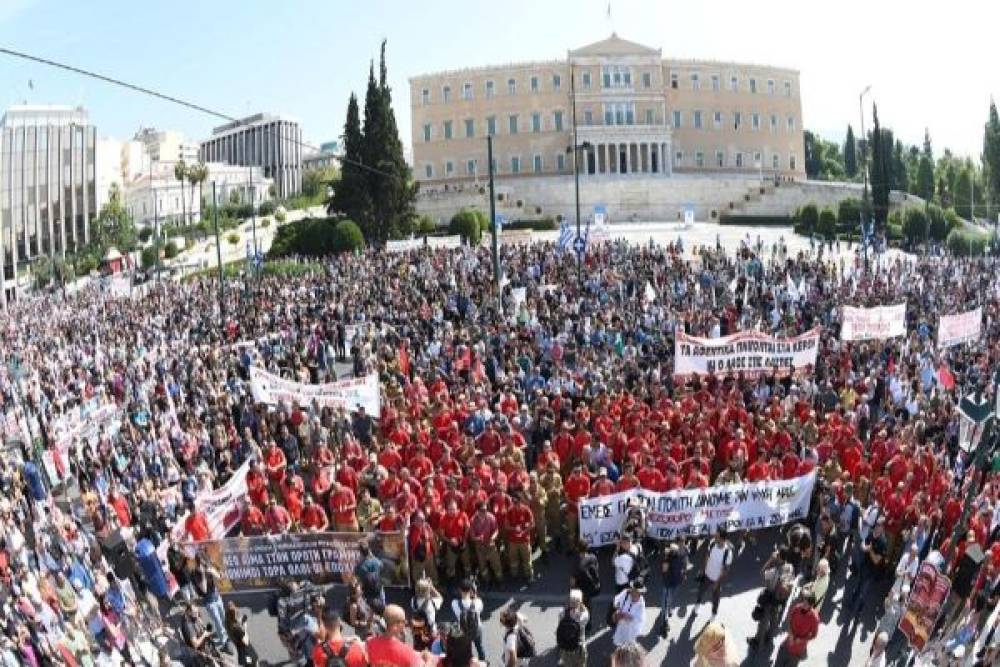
x: 303, y: 58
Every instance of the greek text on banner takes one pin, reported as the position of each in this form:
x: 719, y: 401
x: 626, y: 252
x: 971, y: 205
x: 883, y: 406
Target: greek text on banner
x: 350, y: 394
x: 876, y: 323
x: 960, y: 327
x: 698, y: 512
x: 747, y: 352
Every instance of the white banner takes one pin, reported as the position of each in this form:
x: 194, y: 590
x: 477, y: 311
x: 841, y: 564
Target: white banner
x: 453, y: 241
x: 873, y: 323
x: 358, y: 392
x: 747, y: 352
x: 960, y: 328
x: 403, y: 245
x: 223, y: 507
x: 698, y: 512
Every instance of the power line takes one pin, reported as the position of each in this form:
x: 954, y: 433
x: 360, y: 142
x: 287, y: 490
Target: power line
x: 170, y: 98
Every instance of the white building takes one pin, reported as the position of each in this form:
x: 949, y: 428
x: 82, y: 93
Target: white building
x: 107, y: 164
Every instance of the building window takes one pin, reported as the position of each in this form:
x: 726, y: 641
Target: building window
x: 560, y: 162
x: 447, y: 129
x: 677, y: 118
x: 697, y: 120
x: 775, y: 162
x: 446, y: 94
x: 770, y: 86
x: 515, y: 165
x: 774, y: 122
x: 557, y: 120
x: 536, y: 122
x: 715, y: 82
x: 511, y: 86
x: 586, y: 80
x: 734, y: 83
x: 425, y: 96
x: 588, y: 117
x: 649, y: 116
x: 429, y: 171
x: 739, y: 160
x: 496, y: 166
x: 556, y: 82
x: 699, y: 159
x: 647, y: 80
x: 720, y: 159
x: 534, y: 84
x: 753, y: 86
x: 491, y: 126
x: 466, y: 91
x: 512, y: 123
x: 619, y: 113
x: 427, y: 132
x: 673, y: 81
x: 791, y: 162
x: 695, y: 82
x: 678, y: 158
x: 717, y: 120
x: 788, y: 89
x: 470, y: 128
x: 536, y: 164
x: 489, y: 89
x: 757, y: 161
x: 449, y: 168
x: 470, y: 167
x: 737, y: 120
x: 617, y: 76
x: 755, y: 121
x: 791, y: 123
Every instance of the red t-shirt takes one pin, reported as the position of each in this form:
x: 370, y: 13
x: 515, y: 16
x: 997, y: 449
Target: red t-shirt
x: 355, y: 656
x: 197, y: 527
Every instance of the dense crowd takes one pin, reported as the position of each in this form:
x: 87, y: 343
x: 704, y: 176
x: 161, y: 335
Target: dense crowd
x: 498, y: 418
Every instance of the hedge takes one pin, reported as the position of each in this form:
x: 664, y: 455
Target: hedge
x: 966, y: 242
x: 546, y: 224
x: 467, y: 223
x: 347, y: 236
x: 827, y: 225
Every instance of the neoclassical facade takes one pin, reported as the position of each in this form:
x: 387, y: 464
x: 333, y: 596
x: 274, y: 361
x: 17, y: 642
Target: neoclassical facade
x: 636, y: 113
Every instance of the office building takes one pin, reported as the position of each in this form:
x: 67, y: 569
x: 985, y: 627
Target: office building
x: 262, y: 140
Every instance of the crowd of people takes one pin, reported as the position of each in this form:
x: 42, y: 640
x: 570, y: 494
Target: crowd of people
x: 498, y: 417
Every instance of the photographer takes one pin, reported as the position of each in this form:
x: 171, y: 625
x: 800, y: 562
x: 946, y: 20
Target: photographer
x: 236, y: 627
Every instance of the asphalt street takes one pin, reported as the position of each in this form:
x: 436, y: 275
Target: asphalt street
x: 842, y: 641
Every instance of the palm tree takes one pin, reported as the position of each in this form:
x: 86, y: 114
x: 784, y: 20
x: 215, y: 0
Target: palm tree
x: 180, y: 173
x: 196, y: 174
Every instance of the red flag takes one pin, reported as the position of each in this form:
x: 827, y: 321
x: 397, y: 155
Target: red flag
x: 946, y: 378
x: 404, y: 360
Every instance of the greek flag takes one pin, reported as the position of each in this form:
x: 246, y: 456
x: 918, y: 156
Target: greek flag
x: 566, y: 236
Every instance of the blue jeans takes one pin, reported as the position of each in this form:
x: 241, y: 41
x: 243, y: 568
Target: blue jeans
x: 668, y: 596
x: 216, y: 612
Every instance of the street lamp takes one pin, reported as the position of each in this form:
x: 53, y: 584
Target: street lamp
x: 978, y: 416
x: 578, y: 244
x: 864, y: 169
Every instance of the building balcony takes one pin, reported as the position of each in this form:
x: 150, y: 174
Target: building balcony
x: 622, y: 134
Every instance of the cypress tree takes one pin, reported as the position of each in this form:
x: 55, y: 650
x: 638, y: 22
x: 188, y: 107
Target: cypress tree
x: 925, y: 170
x: 991, y: 156
x: 850, y: 154
x: 879, y: 172
x: 350, y: 197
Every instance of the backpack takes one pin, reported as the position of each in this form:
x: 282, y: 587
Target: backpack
x: 640, y: 566
x: 525, y: 642
x: 338, y: 659
x: 590, y: 577
x: 468, y: 620
x: 568, y: 633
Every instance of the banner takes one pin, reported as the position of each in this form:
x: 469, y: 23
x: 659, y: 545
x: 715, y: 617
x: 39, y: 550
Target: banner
x: 873, y: 323
x: 223, y: 507
x: 514, y: 237
x: 598, y: 231
x: 403, y: 245
x: 747, y: 352
x: 960, y: 328
x: 698, y: 512
x: 268, y: 561
x: 452, y: 241
x: 927, y: 597
x: 350, y: 394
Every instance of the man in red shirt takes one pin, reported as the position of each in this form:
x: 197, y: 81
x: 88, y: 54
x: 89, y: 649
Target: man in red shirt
x: 196, y: 525
x: 342, y: 506
x: 484, y: 533
x: 803, y: 626
x: 278, y: 519
x: 454, y: 529
x: 576, y: 487
x: 313, y: 517
x: 423, y: 548
x: 389, y: 649
x: 335, y: 645
x: 520, y: 522
x: 252, y: 523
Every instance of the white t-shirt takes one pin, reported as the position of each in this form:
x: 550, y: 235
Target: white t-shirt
x: 623, y: 563
x: 720, y: 556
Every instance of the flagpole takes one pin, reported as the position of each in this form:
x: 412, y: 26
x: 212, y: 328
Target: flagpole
x: 576, y: 175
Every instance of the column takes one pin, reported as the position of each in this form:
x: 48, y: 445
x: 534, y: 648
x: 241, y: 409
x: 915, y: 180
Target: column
x: 644, y: 157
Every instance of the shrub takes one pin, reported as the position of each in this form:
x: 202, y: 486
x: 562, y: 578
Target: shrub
x: 266, y: 208
x: 265, y: 223
x: 937, y: 222
x: 149, y: 256
x: 145, y: 234
x: 467, y: 223
x: 966, y: 243
x: 953, y: 218
x: 915, y: 225
x: 347, y: 236
x: 280, y: 216
x: 233, y: 238
x: 827, y: 223
x: 547, y: 223
x: 809, y: 217
x: 426, y: 225
x: 849, y: 213
x: 170, y: 250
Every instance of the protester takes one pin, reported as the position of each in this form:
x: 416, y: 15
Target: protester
x: 717, y: 561
x: 571, y: 634
x: 629, y: 613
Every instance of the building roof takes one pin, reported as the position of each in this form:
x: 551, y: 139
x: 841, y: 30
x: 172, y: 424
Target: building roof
x: 614, y: 46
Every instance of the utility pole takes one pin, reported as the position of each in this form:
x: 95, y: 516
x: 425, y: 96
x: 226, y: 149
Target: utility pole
x: 253, y: 209
x: 864, y: 169
x: 218, y: 254
x: 578, y: 245
x: 493, y: 225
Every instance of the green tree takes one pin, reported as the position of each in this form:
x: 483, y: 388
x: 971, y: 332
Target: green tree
x: 348, y: 236
x: 915, y: 225
x: 196, y: 175
x: 316, y: 181
x: 350, y: 197
x: 850, y: 154
x: 963, y: 192
x: 809, y: 217
x: 900, y: 179
x: 467, y: 224
x: 180, y: 173
x: 991, y: 156
x: 925, y: 170
x: 827, y: 225
x: 849, y: 214
x: 880, y: 176
x: 113, y: 226
x: 966, y: 242
x: 937, y: 222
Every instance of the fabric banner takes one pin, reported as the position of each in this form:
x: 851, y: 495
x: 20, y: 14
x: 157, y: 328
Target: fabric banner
x: 515, y: 237
x: 960, y: 328
x: 403, y: 245
x: 873, y: 323
x: 698, y: 512
x: 223, y: 507
x: 453, y: 241
x: 747, y: 352
x: 253, y: 563
x: 350, y: 394
x: 927, y: 597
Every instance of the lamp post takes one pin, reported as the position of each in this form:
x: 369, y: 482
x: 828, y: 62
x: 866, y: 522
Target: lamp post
x: 980, y: 415
x: 493, y: 224
x: 218, y: 255
x: 578, y: 244
x: 864, y: 169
